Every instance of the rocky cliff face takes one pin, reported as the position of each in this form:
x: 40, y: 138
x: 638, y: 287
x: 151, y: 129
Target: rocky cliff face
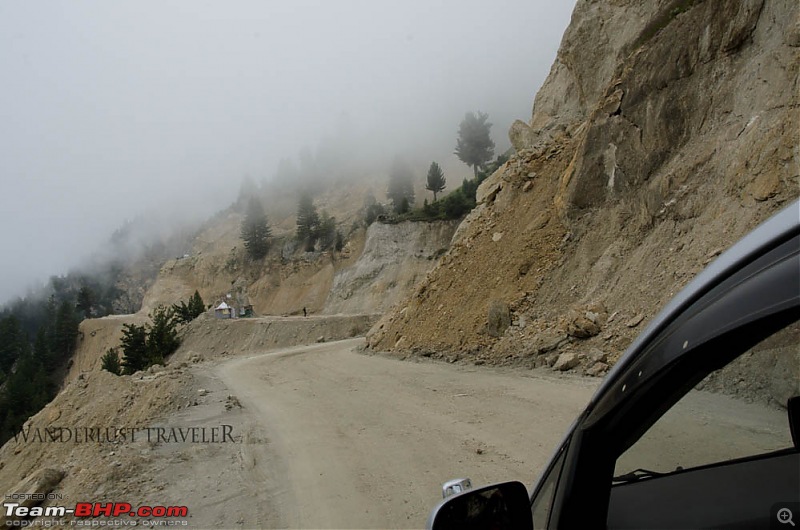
x: 378, y: 267
x: 665, y: 131
x: 395, y: 258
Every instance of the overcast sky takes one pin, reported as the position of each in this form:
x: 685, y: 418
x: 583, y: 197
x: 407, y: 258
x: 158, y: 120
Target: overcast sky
x: 111, y: 109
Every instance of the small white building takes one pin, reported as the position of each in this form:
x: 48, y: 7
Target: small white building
x: 223, y: 310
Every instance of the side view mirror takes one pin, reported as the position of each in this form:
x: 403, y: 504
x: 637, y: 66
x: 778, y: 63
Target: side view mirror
x: 456, y: 486
x: 499, y: 506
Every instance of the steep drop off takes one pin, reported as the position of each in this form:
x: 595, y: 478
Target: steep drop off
x: 665, y: 131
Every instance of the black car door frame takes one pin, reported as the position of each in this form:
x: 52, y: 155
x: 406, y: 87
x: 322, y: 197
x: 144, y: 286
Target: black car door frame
x: 732, y: 313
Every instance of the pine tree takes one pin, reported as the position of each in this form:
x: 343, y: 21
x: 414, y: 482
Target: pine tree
x: 65, y: 331
x: 12, y: 342
x: 110, y: 362
x: 85, y: 301
x: 25, y: 391
x: 436, y: 180
x: 308, y: 222
x: 42, y: 351
x: 255, y: 230
x: 327, y: 231
x: 134, y: 348
x: 401, y: 186
x: 185, y: 313
x: 474, y: 147
x: 162, y: 336
x: 196, y: 305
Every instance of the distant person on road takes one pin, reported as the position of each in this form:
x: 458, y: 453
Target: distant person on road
x: 304, y: 312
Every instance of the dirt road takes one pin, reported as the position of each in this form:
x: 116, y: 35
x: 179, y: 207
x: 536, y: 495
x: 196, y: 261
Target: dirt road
x: 332, y: 438
x: 368, y: 440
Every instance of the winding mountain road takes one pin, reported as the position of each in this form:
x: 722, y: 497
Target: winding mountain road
x: 328, y: 437
x: 366, y: 441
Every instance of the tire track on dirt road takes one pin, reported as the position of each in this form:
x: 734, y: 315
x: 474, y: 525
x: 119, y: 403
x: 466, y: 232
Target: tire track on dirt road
x: 366, y: 441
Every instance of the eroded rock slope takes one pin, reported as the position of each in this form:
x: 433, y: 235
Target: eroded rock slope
x: 665, y: 131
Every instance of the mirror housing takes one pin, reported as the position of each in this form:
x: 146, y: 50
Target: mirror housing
x: 456, y: 486
x: 499, y: 506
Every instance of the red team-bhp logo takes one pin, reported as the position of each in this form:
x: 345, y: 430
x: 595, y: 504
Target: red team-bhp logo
x: 118, y: 509
x: 85, y: 510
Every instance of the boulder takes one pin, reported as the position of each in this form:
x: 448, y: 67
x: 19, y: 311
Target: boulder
x: 587, y: 321
x: 499, y: 318
x: 598, y: 356
x: 582, y: 327
x: 548, y: 341
x: 522, y: 135
x: 567, y: 361
x: 597, y: 369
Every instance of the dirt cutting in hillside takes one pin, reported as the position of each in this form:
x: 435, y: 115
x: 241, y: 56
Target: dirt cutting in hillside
x: 627, y: 182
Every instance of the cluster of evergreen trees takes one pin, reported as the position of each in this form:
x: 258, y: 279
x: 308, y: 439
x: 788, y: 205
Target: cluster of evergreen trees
x: 38, y: 333
x: 315, y: 230
x: 185, y: 313
x: 90, y: 295
x: 318, y: 231
x: 474, y: 147
x: 29, y: 366
x: 255, y: 230
x: 462, y: 199
x: 453, y: 206
x: 144, y: 346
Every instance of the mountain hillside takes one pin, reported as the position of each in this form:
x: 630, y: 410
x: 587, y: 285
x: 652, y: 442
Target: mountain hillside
x: 394, y: 259
x: 665, y: 131
x: 378, y: 267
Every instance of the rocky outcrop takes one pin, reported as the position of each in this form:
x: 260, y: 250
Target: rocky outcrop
x: 499, y: 318
x: 599, y: 35
x: 665, y: 131
x: 395, y: 258
x: 716, y: 93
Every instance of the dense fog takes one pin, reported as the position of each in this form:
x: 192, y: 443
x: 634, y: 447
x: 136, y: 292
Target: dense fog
x: 113, y: 110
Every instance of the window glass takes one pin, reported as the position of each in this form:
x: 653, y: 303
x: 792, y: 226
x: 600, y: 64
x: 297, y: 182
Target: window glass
x: 543, y: 503
x: 737, y: 411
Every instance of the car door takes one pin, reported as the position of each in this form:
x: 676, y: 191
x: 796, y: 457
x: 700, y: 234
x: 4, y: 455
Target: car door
x: 727, y: 458
x: 729, y: 316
